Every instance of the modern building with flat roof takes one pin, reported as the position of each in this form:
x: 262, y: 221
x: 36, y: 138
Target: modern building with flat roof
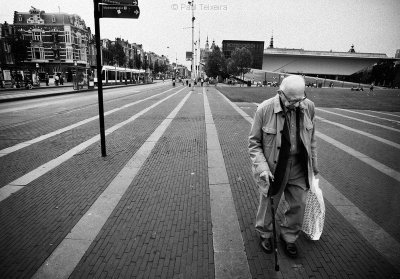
x: 322, y: 63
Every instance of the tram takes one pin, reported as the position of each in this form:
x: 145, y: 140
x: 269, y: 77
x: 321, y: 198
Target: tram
x: 115, y: 75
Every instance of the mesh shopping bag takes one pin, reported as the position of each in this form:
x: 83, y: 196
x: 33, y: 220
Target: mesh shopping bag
x: 314, y: 213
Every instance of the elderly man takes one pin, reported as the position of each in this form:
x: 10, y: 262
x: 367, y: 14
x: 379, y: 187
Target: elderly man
x: 282, y: 149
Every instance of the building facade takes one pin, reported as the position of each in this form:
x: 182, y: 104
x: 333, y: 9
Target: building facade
x: 58, y: 42
x: 39, y: 44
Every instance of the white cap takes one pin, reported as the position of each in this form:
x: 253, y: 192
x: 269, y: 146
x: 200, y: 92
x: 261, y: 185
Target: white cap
x: 293, y: 86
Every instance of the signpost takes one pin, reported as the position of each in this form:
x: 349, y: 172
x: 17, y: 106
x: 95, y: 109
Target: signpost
x: 120, y: 11
x: 120, y: 2
x: 109, y: 9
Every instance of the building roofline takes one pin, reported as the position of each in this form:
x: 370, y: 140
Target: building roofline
x: 302, y: 52
x: 244, y: 41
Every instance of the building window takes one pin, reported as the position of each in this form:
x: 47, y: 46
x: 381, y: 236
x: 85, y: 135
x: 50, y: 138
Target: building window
x: 37, y: 35
x: 83, y: 54
x: 69, y: 53
x: 67, y: 31
x: 53, y: 19
x: 6, y: 47
x: 78, y: 38
x: 19, y: 18
x: 68, y: 36
x: 38, y: 53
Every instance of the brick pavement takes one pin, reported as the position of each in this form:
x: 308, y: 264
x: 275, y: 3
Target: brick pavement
x: 341, y: 252
x: 162, y: 226
x: 45, y: 211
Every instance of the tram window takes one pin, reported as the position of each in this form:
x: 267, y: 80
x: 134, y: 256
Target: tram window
x: 111, y: 75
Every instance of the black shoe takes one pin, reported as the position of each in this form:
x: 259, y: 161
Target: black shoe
x: 266, y: 244
x: 290, y: 248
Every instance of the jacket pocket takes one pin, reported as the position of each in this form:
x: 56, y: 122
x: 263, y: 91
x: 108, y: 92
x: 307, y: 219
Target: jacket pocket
x: 269, y: 135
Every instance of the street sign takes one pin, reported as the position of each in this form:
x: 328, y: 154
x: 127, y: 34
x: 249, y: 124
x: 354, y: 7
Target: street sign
x: 119, y: 11
x: 120, y: 2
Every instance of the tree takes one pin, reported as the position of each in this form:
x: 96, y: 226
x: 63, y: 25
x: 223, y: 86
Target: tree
x: 231, y: 67
x: 383, y: 73
x: 145, y: 63
x: 242, y: 60
x: 216, y: 63
x: 163, y: 68
x: 107, y: 56
x: 138, y: 61
x: 19, y: 47
x: 118, y: 54
x: 156, y: 67
x: 131, y: 63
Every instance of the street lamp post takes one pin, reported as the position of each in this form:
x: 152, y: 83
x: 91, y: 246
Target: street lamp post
x: 193, y: 18
x: 76, y: 86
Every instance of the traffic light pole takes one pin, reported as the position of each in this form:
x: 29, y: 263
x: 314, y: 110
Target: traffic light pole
x: 99, y: 78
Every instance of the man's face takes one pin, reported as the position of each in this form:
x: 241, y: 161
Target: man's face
x: 292, y: 100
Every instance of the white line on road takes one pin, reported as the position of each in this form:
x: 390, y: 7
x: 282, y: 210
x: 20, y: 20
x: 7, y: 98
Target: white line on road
x: 369, y: 115
x: 54, y: 100
x: 229, y: 252
x: 369, y: 161
x: 21, y: 145
x: 362, y: 157
x: 372, y: 232
x: 360, y: 120
x: 386, y: 113
x: 376, y: 236
x: 69, y: 252
x: 24, y: 180
x: 388, y: 142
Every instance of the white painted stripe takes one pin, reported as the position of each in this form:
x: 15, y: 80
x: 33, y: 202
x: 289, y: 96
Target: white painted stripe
x: 383, y: 242
x: 360, y: 120
x: 362, y: 157
x: 369, y: 161
x: 372, y: 232
x: 10, y: 188
x: 229, y: 253
x: 385, y: 141
x: 386, y: 113
x: 239, y: 110
x: 21, y: 145
x: 54, y: 100
x: 369, y: 115
x: 67, y: 255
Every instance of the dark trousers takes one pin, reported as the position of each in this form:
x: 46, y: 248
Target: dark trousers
x: 294, y: 200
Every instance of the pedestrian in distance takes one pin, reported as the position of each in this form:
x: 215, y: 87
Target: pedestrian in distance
x: 47, y: 79
x: 283, y: 150
x: 56, y: 79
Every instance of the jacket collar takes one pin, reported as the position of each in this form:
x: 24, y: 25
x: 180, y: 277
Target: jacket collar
x: 278, y: 108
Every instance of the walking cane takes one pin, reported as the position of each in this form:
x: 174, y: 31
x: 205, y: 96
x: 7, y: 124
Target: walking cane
x: 275, y: 246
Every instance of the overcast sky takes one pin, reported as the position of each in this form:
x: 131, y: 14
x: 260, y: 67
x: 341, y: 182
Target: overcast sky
x: 371, y: 25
